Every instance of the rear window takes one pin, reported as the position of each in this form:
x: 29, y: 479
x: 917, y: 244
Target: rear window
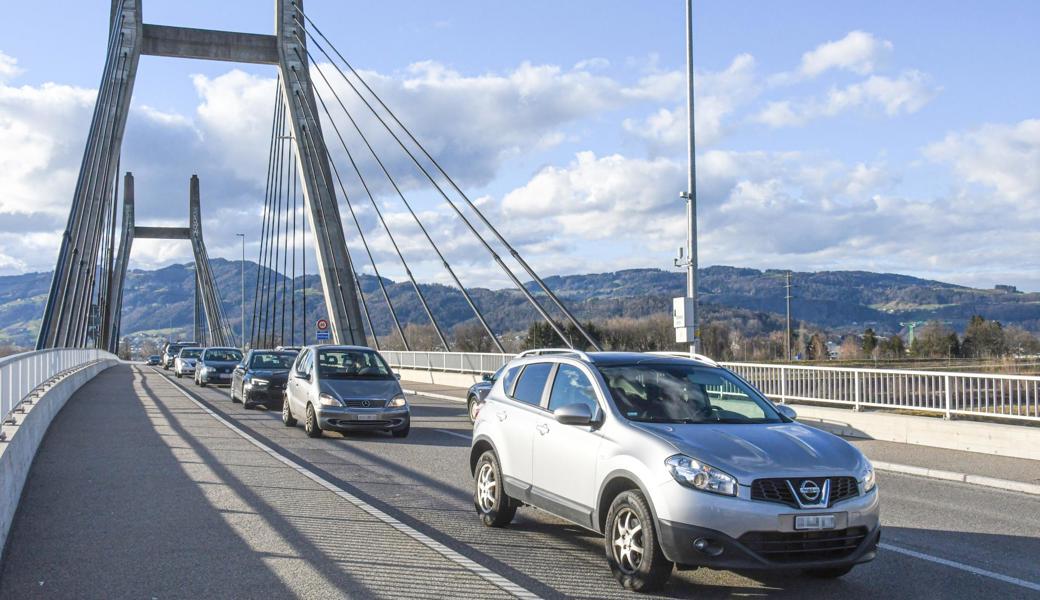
x: 532, y: 383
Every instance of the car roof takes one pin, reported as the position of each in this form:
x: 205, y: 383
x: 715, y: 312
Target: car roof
x: 338, y: 347
x: 607, y: 359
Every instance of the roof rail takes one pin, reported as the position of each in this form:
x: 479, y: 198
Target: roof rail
x: 542, y: 351
x: 698, y: 357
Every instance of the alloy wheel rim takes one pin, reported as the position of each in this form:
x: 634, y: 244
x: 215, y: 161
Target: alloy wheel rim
x: 473, y: 410
x: 627, y: 540
x: 486, y: 485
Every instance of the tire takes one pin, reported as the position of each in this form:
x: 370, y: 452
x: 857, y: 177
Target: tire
x: 494, y: 507
x: 310, y: 424
x: 471, y: 408
x: 630, y: 542
x: 402, y: 432
x: 287, y: 419
x: 832, y: 573
x: 178, y: 375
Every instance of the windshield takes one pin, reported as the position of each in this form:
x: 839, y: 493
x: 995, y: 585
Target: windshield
x: 685, y: 393
x: 222, y: 355
x: 351, y: 364
x: 271, y: 361
x: 191, y: 353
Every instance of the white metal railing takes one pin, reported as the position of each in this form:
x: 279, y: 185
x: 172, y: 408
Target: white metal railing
x: 936, y: 392
x: 20, y: 374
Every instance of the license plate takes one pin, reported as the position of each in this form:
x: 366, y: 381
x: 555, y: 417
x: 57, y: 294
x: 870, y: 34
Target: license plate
x: 368, y: 417
x: 814, y: 522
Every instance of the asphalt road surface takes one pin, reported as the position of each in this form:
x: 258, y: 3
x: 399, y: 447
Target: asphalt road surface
x: 405, y: 507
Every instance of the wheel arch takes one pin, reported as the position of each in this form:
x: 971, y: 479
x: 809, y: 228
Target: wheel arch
x: 616, y: 482
x: 481, y: 445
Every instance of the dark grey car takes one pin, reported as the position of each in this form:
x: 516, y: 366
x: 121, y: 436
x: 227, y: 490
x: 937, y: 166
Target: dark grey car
x: 215, y: 365
x: 260, y: 378
x: 478, y: 391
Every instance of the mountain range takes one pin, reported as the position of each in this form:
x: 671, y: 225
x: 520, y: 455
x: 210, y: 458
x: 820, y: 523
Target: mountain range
x: 161, y: 301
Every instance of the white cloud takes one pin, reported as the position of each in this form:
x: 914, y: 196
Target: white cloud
x: 902, y: 95
x: 1003, y: 157
x: 8, y: 67
x: 859, y: 52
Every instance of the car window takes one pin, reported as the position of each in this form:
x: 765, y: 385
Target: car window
x: 303, y: 363
x: 222, y: 355
x: 191, y: 353
x: 509, y: 379
x: 334, y: 363
x: 571, y: 386
x: 271, y: 361
x: 497, y: 374
x: 532, y: 382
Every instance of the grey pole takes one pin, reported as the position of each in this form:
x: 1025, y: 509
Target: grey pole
x: 242, y: 273
x: 691, y: 194
x: 787, y: 296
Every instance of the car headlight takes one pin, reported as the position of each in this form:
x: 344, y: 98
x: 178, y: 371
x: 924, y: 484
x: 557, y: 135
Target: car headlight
x: 329, y: 400
x: 398, y: 401
x: 259, y: 382
x: 700, y: 476
x: 206, y: 370
x: 868, y: 480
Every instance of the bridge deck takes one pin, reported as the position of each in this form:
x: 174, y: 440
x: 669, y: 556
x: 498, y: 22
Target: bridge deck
x: 139, y: 493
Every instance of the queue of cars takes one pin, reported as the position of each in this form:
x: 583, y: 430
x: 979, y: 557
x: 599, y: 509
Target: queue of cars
x: 676, y: 461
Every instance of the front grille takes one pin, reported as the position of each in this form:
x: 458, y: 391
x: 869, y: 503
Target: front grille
x: 365, y: 403
x: 804, y: 546
x: 778, y: 490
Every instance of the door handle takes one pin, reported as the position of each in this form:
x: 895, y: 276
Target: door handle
x: 542, y: 428
x: 502, y: 415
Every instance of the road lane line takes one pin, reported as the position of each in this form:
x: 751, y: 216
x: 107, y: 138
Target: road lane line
x: 456, y: 434
x: 466, y: 563
x: 1029, y: 585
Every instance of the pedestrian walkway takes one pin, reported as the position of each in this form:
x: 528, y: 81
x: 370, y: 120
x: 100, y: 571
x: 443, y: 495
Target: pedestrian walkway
x: 138, y: 492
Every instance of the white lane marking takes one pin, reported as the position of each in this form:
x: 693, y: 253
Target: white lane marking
x: 437, y: 396
x: 1029, y: 585
x: 456, y: 434
x: 466, y: 563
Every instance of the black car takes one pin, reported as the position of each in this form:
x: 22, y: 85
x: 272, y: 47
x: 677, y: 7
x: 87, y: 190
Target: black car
x: 478, y: 391
x: 260, y: 378
x: 154, y: 360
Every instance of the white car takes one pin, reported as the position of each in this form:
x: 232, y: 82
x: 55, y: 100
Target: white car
x: 184, y: 363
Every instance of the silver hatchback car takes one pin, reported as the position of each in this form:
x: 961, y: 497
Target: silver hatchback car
x: 675, y: 461
x: 344, y: 388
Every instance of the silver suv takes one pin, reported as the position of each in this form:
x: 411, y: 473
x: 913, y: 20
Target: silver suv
x: 675, y: 461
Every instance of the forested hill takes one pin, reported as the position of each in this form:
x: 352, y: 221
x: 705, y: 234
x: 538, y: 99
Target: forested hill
x: 161, y: 300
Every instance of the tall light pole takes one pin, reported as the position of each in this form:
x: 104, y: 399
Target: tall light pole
x: 242, y: 274
x: 687, y: 327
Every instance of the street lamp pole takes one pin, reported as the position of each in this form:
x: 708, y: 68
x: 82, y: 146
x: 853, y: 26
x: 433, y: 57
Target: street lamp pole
x: 687, y: 327
x: 242, y: 276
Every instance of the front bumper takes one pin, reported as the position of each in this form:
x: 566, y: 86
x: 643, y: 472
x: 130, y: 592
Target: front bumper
x: 264, y: 395
x: 337, y: 418
x: 740, y: 533
x: 215, y: 378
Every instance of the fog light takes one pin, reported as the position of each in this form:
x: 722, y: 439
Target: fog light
x: 708, y: 546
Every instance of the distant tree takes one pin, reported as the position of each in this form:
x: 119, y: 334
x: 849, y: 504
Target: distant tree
x: 1021, y: 342
x: 892, y: 347
x: 851, y: 348
x: 423, y: 337
x: 983, y: 339
x: 470, y: 336
x: 124, y: 349
x: 540, y: 335
x: 935, y: 340
x: 816, y: 347
x: 870, y: 341
x: 149, y: 347
x: 715, y: 341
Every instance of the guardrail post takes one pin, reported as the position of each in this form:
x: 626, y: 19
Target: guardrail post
x: 783, y: 385
x: 855, y: 388
x: 948, y: 397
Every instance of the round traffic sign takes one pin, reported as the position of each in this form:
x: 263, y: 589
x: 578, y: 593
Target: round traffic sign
x: 323, y: 324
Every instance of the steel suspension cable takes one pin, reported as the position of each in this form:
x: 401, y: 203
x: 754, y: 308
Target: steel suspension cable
x: 350, y: 206
x: 411, y: 211
x: 285, y: 245
x: 292, y: 318
x: 523, y: 289
x: 276, y: 195
x: 279, y: 105
x: 265, y: 260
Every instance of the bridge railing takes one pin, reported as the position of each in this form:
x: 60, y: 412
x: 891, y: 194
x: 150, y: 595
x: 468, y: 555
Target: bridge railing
x: 944, y: 393
x: 20, y: 374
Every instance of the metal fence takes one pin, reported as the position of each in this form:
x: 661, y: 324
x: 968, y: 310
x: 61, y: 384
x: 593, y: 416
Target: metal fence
x: 20, y: 374
x: 944, y: 393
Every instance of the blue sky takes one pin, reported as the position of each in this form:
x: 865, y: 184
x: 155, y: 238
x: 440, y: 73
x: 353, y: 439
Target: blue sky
x: 888, y: 136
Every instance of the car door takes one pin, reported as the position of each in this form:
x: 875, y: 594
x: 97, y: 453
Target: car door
x: 239, y: 374
x: 564, y: 462
x: 297, y: 386
x: 516, y: 419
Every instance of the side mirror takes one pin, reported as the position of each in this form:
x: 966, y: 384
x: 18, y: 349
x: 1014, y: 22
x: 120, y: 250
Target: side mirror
x: 306, y: 376
x: 397, y: 376
x: 487, y: 377
x: 574, y: 414
x: 787, y: 411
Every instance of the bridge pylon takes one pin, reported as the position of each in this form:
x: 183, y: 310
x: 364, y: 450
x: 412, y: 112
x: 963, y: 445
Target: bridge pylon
x: 67, y: 314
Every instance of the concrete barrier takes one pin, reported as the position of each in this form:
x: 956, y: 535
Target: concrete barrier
x: 23, y: 440
x: 462, y: 380
x: 1015, y: 441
